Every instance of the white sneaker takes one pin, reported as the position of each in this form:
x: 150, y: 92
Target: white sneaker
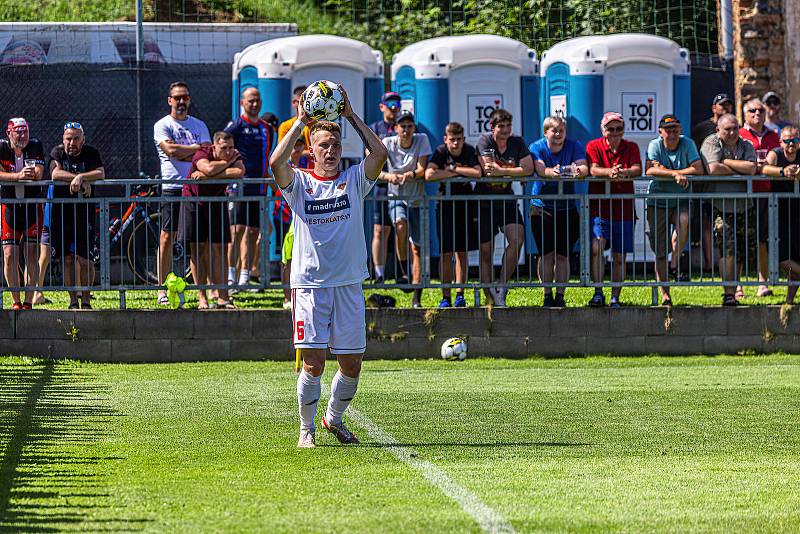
x: 500, y: 297
x: 306, y: 440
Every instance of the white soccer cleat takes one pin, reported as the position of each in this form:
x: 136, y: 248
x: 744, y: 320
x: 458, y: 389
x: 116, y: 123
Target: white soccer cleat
x: 306, y: 440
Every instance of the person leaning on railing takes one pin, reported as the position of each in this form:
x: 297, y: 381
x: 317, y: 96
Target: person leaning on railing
x: 73, y: 166
x: 726, y: 153
x: 21, y: 160
x: 556, y: 223
x: 457, y: 224
x: 763, y: 140
x: 618, y: 160
x: 204, y: 224
x: 783, y: 165
x: 505, y: 155
x: 671, y: 158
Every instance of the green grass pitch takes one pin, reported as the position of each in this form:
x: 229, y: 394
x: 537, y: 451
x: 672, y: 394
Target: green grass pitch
x: 589, y: 445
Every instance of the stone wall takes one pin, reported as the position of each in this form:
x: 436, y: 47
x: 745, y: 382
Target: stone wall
x: 175, y: 336
x: 763, y: 52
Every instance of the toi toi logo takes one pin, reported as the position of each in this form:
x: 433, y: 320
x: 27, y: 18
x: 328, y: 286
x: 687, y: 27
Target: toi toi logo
x: 640, y: 116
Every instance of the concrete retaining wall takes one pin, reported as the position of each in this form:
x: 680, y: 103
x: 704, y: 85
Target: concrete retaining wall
x: 173, y: 336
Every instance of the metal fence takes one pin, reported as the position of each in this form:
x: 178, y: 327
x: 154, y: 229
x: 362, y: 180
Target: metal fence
x: 120, y: 236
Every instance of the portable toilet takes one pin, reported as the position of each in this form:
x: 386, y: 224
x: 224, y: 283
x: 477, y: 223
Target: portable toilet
x: 278, y: 65
x: 640, y: 76
x: 464, y: 78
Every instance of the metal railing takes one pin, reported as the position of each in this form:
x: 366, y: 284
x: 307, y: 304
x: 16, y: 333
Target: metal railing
x: 124, y: 235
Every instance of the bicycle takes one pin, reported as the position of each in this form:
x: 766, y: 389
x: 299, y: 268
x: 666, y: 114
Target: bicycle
x: 139, y: 229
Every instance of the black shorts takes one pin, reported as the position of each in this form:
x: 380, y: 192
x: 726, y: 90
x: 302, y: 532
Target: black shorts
x: 762, y: 205
x: 204, y: 222
x: 494, y: 215
x: 556, y: 230
x: 788, y: 229
x: 71, y: 229
x: 21, y: 222
x: 244, y: 213
x: 170, y: 211
x: 380, y: 214
x: 457, y: 225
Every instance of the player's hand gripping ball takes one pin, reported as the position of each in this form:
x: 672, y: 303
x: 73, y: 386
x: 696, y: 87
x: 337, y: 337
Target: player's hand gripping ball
x: 454, y: 348
x: 323, y: 100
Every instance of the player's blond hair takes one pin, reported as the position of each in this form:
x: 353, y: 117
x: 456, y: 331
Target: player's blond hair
x: 552, y: 122
x: 325, y: 126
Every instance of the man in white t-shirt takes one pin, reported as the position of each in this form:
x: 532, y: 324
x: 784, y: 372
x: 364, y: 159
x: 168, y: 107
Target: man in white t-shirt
x: 177, y: 137
x: 329, y: 263
x: 408, y: 154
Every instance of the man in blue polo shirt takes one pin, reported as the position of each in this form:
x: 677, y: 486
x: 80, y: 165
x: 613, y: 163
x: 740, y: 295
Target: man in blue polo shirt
x: 252, y: 137
x: 556, y: 224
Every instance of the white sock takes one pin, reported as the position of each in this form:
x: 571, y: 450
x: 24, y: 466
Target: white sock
x: 309, y: 389
x: 343, y: 389
x: 231, y: 275
x: 378, y: 270
x: 244, y: 277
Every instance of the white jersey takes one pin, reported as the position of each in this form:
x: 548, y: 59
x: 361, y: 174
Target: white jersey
x: 329, y: 245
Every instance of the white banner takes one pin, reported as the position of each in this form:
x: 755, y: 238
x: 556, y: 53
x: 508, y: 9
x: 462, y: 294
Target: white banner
x: 639, y: 110
x: 558, y: 106
x: 479, y: 108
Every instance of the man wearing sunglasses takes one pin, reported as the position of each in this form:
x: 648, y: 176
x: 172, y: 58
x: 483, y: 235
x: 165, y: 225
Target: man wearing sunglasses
x: 381, y: 221
x: 726, y: 153
x: 784, y: 165
x: 177, y: 136
x: 763, y: 140
x: 21, y: 160
x: 73, y: 166
x: 617, y: 160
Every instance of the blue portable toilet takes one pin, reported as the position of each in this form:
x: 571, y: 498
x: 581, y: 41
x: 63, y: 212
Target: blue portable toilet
x: 640, y: 76
x: 464, y: 78
x: 278, y: 65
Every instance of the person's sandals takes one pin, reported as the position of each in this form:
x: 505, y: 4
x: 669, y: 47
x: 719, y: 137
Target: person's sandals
x: 764, y: 291
x: 739, y: 295
x: 729, y: 300
x: 226, y: 305
x: 163, y: 300
x: 27, y: 306
x: 16, y: 306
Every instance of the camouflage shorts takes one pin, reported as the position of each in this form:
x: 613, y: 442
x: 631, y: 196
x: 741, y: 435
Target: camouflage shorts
x: 735, y: 234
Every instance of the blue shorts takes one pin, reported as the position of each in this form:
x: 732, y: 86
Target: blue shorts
x: 618, y: 234
x: 399, y: 210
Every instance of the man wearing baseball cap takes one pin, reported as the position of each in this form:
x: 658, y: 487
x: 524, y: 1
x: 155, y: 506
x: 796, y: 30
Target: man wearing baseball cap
x: 21, y: 160
x: 671, y: 157
x: 773, y: 121
x: 720, y: 105
x: 381, y: 221
x: 618, y: 160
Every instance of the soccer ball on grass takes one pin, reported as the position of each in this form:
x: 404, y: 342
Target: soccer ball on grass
x: 323, y: 100
x: 454, y: 348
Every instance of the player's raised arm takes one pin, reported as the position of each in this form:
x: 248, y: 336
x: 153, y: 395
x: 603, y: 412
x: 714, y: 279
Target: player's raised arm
x: 279, y: 160
x: 376, y: 158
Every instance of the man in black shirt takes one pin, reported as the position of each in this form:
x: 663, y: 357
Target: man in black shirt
x: 21, y: 160
x: 457, y: 221
x: 721, y: 105
x: 501, y: 155
x: 73, y: 166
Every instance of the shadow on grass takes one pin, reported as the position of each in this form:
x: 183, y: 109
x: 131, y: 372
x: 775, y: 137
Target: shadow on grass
x: 49, y: 413
x: 497, y: 444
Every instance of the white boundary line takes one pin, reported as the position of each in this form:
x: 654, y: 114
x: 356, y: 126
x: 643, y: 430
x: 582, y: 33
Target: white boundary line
x: 488, y: 519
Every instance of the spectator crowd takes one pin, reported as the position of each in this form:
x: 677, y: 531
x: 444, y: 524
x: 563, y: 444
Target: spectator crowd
x: 225, y: 234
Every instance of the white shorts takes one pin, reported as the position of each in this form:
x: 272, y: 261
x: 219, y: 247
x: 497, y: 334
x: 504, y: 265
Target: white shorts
x: 330, y: 317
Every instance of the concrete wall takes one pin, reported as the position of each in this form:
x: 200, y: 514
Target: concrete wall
x: 174, y: 336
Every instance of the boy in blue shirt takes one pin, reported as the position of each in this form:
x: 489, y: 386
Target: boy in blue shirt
x: 556, y: 224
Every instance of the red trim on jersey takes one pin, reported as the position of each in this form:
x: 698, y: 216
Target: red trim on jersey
x: 324, y: 178
x: 259, y: 121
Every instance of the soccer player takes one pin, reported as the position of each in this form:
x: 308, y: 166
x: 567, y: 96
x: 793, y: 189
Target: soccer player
x: 329, y: 263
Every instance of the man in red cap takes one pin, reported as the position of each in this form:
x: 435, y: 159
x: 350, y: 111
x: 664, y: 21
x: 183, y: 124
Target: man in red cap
x: 21, y: 160
x: 618, y: 160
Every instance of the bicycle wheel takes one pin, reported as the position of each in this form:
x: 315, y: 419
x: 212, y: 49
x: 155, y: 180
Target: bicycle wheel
x: 142, y: 252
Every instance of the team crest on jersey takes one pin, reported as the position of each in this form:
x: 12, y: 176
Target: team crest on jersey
x: 310, y: 190
x: 341, y: 186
